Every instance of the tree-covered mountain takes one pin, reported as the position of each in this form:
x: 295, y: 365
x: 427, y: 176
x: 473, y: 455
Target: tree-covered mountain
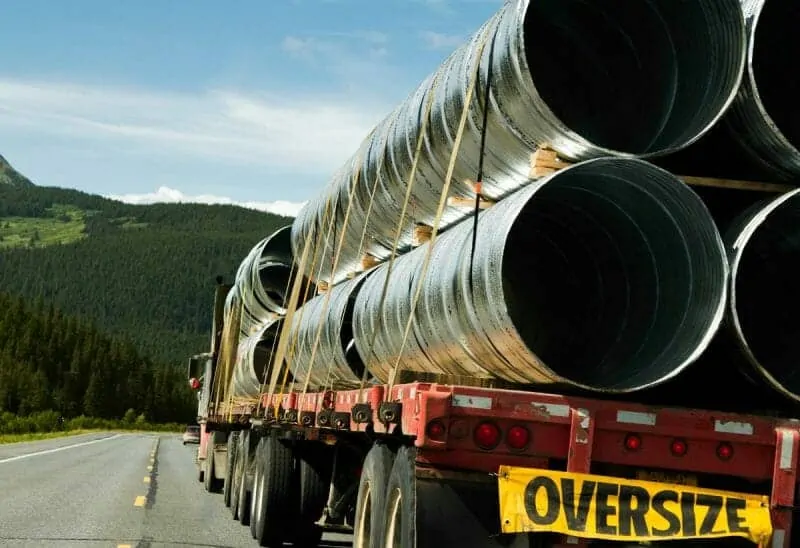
x: 143, y: 271
x: 49, y: 361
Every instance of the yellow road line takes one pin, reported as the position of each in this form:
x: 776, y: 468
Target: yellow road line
x: 140, y: 500
x: 147, y: 479
x: 149, y: 468
x: 124, y: 546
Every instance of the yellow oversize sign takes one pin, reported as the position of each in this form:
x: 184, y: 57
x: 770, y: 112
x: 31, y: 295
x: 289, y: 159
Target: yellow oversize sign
x: 600, y: 507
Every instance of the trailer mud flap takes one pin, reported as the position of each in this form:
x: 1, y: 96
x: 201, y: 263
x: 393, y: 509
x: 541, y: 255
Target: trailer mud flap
x: 609, y: 508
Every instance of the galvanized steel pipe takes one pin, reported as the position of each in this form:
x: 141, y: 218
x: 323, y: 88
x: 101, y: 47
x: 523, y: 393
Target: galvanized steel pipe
x: 764, y: 117
x: 590, y: 79
x: 764, y: 252
x: 609, y: 275
x: 335, y: 364
x: 262, y: 282
x: 253, y: 360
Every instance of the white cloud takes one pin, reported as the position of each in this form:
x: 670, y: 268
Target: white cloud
x: 299, y: 133
x: 170, y: 195
x: 438, y: 40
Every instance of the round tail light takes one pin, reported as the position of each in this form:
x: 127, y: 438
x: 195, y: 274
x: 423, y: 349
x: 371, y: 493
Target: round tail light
x: 487, y: 435
x: 633, y: 442
x: 518, y: 437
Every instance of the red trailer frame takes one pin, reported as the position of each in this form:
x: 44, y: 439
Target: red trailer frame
x: 479, y: 429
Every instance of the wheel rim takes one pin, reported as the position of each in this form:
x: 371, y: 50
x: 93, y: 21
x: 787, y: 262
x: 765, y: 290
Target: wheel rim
x: 394, y: 527
x: 365, y: 519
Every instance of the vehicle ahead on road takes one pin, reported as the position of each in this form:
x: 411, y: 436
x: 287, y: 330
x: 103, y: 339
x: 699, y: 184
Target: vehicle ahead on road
x: 191, y: 434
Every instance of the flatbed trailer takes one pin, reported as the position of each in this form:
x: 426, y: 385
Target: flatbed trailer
x: 427, y: 464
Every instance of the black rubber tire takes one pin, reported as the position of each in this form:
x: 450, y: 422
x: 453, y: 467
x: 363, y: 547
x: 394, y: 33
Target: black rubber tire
x: 401, y: 484
x: 236, y: 478
x: 245, y: 488
x: 313, y: 464
x: 227, y: 483
x: 278, y: 493
x: 208, y: 466
x: 372, y: 491
x: 258, y: 488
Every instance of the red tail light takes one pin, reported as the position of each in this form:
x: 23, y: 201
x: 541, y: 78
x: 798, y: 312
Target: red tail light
x: 487, y: 435
x: 517, y: 437
x: 436, y: 430
x: 678, y: 448
x: 725, y: 451
x: 633, y: 442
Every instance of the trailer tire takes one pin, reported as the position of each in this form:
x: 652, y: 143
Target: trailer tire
x: 245, y: 494
x: 238, y: 474
x: 420, y: 513
x: 314, y: 476
x: 369, y: 521
x: 277, y: 492
x: 212, y: 484
x: 227, y: 484
x: 258, y: 487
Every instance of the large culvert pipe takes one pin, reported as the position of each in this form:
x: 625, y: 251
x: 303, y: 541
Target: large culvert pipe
x: 609, y: 275
x: 640, y: 77
x: 334, y: 363
x: 253, y: 360
x: 263, y: 281
x: 759, y: 136
x: 764, y: 117
x: 764, y: 252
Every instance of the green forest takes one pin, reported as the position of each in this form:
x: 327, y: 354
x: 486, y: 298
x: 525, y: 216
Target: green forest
x: 145, y: 272
x: 53, y: 362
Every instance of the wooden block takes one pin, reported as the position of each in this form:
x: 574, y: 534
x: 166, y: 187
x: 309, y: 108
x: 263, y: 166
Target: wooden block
x: 457, y: 201
x: 735, y: 184
x: 368, y: 261
x: 545, y: 161
x: 422, y: 234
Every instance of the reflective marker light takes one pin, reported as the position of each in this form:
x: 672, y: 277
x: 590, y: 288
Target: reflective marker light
x: 194, y: 383
x: 678, y: 448
x: 633, y: 442
x: 517, y: 437
x: 487, y: 435
x: 436, y: 430
x: 724, y: 451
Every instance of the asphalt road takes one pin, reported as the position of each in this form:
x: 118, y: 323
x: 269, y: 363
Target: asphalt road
x: 102, y: 490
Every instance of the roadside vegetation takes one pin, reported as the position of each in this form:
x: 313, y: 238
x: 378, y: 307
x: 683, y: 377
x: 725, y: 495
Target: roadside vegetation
x: 50, y: 424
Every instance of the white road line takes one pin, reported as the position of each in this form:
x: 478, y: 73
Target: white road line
x: 47, y: 451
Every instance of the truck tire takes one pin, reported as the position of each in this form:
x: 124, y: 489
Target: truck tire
x: 422, y: 513
x: 314, y: 471
x: 227, y: 484
x: 212, y: 484
x: 245, y: 487
x: 277, y: 492
x: 370, y: 504
x: 236, y: 478
x: 258, y: 487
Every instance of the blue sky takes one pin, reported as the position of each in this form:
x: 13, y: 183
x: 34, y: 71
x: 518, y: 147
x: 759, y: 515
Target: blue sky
x: 250, y: 101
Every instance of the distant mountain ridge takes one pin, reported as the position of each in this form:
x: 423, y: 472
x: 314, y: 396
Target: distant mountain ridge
x: 145, y: 271
x: 10, y: 176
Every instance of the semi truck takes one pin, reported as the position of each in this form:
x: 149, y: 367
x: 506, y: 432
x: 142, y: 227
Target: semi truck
x: 510, y: 321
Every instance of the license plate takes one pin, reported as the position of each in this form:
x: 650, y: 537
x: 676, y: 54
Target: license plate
x: 675, y: 478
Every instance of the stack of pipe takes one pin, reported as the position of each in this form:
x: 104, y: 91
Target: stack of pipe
x: 636, y: 78
x: 259, y: 297
x: 609, y: 276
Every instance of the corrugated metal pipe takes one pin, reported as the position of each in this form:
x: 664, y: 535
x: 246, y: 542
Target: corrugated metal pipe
x: 590, y: 79
x: 765, y: 118
x: 609, y: 275
x: 335, y: 362
x: 262, y: 282
x: 253, y: 359
x: 764, y: 251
